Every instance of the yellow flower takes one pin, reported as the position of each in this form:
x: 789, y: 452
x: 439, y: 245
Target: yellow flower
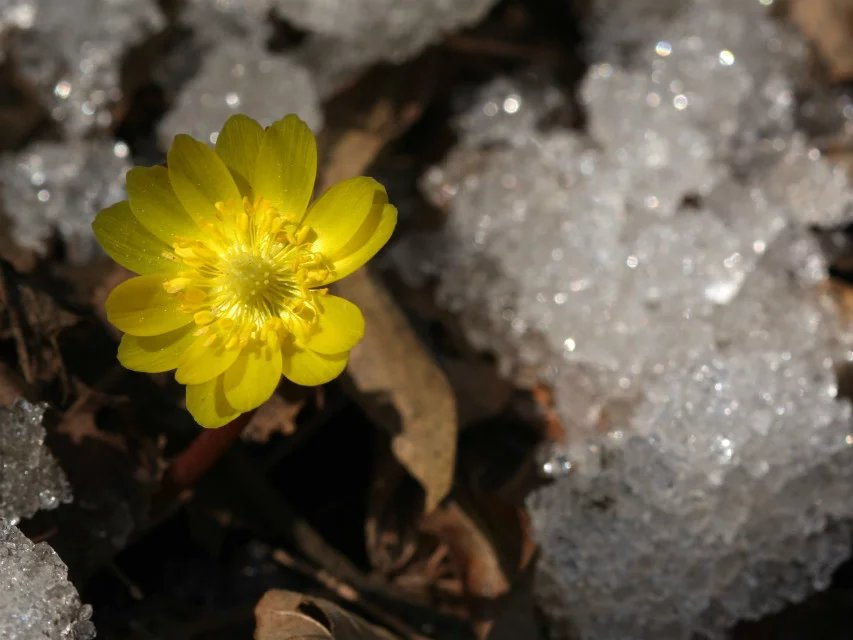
x: 233, y: 265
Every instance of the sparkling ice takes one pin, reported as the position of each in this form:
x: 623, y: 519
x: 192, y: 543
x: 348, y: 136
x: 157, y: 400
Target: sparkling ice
x: 30, y: 478
x: 660, y: 272
x: 37, y: 602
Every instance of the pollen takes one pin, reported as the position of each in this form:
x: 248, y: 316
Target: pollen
x: 250, y: 277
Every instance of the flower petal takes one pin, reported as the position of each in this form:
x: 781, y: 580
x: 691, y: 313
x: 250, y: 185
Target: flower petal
x: 200, y: 363
x: 368, y: 242
x: 208, y: 405
x: 156, y: 206
x: 305, y: 367
x: 252, y: 379
x: 199, y: 177
x: 340, y: 326
x: 339, y: 215
x: 287, y: 166
x: 154, y: 354
x: 127, y: 242
x: 141, y: 307
x: 238, y: 145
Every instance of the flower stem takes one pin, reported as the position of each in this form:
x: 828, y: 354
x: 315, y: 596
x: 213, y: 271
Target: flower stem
x: 193, y: 462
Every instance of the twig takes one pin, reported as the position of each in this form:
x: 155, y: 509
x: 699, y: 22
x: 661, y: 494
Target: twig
x: 346, y: 593
x: 283, y: 521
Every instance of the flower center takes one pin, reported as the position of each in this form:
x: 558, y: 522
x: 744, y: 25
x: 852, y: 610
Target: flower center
x: 250, y: 277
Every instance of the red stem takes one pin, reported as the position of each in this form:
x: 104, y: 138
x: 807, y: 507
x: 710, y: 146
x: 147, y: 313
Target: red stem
x: 192, y: 463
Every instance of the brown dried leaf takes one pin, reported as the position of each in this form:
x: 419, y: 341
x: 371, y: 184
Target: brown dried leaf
x: 482, y: 393
x: 286, y: 615
x: 828, y: 24
x: 276, y: 415
x: 393, y: 512
x: 402, y: 388
x: 354, y: 136
x: 477, y: 560
x: 12, y: 386
x: 473, y: 551
x: 33, y: 320
x: 399, y: 384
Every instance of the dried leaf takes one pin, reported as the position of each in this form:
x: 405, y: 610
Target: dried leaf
x: 492, y: 551
x: 393, y: 514
x: 286, y: 615
x: 276, y: 415
x: 402, y: 388
x: 472, y: 550
x: 828, y: 24
x: 12, y: 386
x: 351, y: 150
x: 34, y: 321
x: 482, y: 393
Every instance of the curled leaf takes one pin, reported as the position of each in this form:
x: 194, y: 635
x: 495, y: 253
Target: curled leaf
x: 286, y: 615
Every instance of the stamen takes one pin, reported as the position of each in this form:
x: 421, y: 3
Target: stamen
x: 249, y: 277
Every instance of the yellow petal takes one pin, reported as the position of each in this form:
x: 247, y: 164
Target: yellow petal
x: 156, y: 206
x: 365, y: 245
x: 305, y: 367
x: 199, y: 177
x: 141, y: 307
x: 154, y: 354
x: 340, y: 215
x: 207, y: 404
x: 340, y: 326
x: 286, y: 166
x: 238, y: 145
x: 252, y: 379
x: 127, y: 242
x: 200, y: 363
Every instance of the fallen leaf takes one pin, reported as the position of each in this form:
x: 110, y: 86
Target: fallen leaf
x: 276, y: 415
x: 286, y: 615
x: 12, y: 386
x: 402, y: 388
x: 34, y: 321
x: 482, y: 393
x: 472, y: 549
x: 544, y: 399
x: 363, y: 132
x: 393, y: 514
x: 828, y: 25
x: 483, y: 578
x: 398, y: 383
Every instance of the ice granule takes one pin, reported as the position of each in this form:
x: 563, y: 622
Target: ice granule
x: 814, y: 191
x: 393, y: 29
x: 348, y: 36
x: 652, y: 20
x: 14, y: 14
x: 726, y: 496
x: 237, y: 77
x: 72, y: 52
x: 659, y: 272
x: 30, y: 478
x: 344, y: 37
x: 213, y: 21
x: 714, y: 82
x: 37, y: 602
x: 498, y: 112
x: 53, y: 186
x: 17, y: 14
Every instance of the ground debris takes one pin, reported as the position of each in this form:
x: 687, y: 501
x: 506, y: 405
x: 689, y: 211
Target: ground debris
x: 285, y: 615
